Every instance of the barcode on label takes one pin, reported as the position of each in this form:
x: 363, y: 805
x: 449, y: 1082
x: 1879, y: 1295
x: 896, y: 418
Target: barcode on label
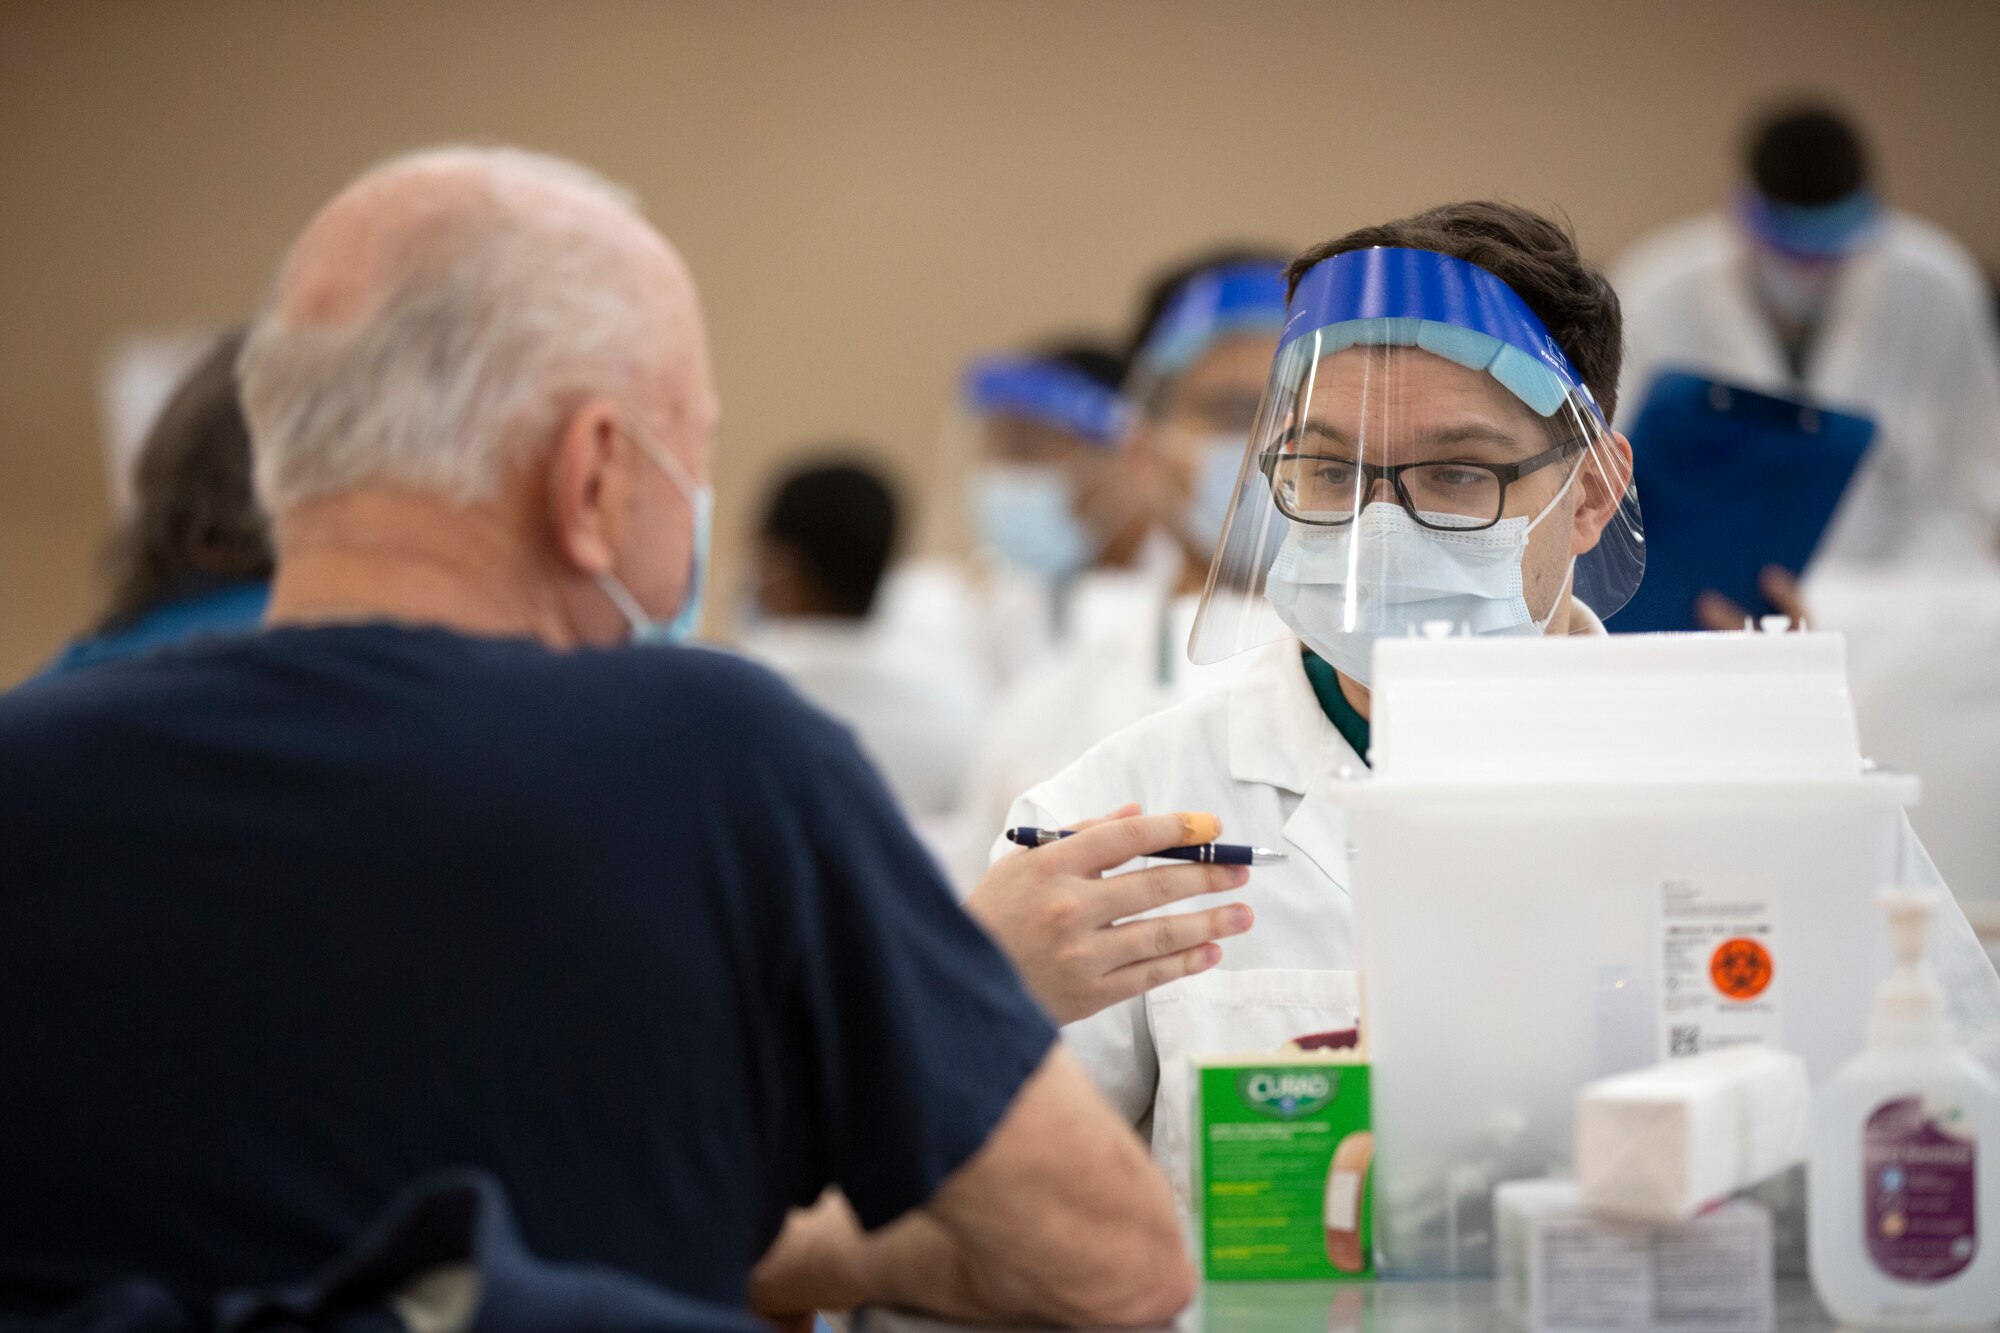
x: 1684, y: 1039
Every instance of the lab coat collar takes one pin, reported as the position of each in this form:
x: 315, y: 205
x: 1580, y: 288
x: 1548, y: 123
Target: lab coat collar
x: 1279, y: 736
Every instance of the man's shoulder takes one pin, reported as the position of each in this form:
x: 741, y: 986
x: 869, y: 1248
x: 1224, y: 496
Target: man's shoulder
x: 742, y: 706
x: 381, y: 673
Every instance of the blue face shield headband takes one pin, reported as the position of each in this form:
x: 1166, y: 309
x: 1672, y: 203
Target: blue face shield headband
x: 1389, y: 297
x: 1395, y: 491
x: 1047, y: 393
x: 1211, y: 306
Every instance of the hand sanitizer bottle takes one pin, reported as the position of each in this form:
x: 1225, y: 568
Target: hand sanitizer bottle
x: 1904, y: 1191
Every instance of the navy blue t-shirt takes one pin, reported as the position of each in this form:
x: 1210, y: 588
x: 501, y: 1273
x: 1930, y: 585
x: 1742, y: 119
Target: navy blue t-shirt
x: 291, y: 920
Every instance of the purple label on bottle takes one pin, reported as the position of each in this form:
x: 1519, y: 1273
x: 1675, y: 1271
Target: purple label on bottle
x: 1918, y: 1182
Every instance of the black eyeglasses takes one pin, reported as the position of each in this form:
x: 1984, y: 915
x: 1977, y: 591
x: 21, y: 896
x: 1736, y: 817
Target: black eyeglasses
x: 1327, y: 492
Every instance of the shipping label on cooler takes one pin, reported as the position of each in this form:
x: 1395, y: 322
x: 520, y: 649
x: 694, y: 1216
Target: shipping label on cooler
x: 1719, y: 964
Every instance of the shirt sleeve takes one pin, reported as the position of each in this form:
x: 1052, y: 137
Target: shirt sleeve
x: 921, y: 1033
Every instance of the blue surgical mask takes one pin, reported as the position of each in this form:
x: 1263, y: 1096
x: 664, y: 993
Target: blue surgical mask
x: 1409, y: 576
x: 701, y: 503
x: 1218, y: 460
x: 1023, y: 512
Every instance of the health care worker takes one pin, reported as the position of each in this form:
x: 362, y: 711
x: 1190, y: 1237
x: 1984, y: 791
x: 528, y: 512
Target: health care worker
x: 1809, y: 286
x: 1428, y: 449
x: 1040, y: 437
x: 1203, y: 355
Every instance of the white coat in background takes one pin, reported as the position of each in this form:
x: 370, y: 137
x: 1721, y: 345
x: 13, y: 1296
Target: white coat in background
x: 1125, y: 659
x: 1261, y: 755
x: 914, y: 709
x: 1907, y: 339
x: 995, y: 622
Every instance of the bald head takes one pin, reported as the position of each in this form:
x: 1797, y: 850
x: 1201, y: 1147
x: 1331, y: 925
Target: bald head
x: 436, y: 319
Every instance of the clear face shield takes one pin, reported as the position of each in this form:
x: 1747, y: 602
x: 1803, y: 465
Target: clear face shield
x: 1423, y: 454
x: 1195, y: 388
x: 1043, y: 443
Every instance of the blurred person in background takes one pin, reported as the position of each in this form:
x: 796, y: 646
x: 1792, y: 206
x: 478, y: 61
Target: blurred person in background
x: 1810, y: 286
x: 194, y: 556
x: 1047, y: 503
x: 828, y: 532
x: 462, y: 861
x: 1198, y: 355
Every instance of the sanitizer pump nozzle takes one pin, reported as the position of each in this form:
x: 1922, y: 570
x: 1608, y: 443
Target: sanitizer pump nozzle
x: 1909, y: 1005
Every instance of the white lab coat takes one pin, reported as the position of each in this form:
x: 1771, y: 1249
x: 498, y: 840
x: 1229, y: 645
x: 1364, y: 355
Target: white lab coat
x: 994, y: 621
x: 915, y: 708
x: 1125, y: 657
x: 1261, y: 754
x: 1908, y: 340
x: 1095, y: 686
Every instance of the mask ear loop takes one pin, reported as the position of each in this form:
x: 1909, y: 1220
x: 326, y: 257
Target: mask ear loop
x: 621, y: 597
x: 1569, y: 575
x: 1554, y: 500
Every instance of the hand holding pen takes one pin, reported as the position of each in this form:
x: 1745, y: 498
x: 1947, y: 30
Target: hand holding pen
x: 1207, y: 853
x: 1067, y: 924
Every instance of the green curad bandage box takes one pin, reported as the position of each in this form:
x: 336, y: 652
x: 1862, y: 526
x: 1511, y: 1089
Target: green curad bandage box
x: 1281, y: 1167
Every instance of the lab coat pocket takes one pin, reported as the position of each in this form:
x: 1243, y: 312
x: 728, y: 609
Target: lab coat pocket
x: 1232, y: 1013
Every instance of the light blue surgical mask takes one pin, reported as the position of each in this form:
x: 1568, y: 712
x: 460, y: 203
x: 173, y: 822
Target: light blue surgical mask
x: 701, y: 503
x: 1024, y: 513
x: 1218, y: 460
x: 1408, y: 577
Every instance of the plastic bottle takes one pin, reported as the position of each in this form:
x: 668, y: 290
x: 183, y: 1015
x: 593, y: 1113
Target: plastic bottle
x: 1904, y: 1192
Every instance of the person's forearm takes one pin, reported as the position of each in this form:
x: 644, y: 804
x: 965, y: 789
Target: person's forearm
x: 824, y: 1261
x: 914, y: 1264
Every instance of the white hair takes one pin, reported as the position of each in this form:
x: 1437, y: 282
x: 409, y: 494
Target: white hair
x: 480, y: 336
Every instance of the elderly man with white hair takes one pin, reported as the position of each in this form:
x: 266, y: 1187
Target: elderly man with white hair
x: 454, y: 864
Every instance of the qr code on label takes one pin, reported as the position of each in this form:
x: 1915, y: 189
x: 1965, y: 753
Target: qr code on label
x: 1684, y: 1039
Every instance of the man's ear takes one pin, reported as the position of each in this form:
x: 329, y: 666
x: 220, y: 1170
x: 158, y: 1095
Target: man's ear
x: 1605, y: 477
x: 587, y: 488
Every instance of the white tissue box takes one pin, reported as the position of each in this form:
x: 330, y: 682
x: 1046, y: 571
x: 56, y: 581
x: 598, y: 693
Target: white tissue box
x: 1562, y: 1269
x: 1662, y: 1143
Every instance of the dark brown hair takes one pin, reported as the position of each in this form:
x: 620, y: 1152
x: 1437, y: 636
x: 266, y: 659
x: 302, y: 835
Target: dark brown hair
x: 1806, y: 154
x: 1533, y: 255
x: 195, y: 524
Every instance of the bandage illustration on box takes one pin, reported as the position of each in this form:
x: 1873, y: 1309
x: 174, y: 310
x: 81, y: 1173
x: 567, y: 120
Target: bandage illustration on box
x: 1346, y: 1183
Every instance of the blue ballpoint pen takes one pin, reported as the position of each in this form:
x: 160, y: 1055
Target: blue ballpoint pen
x: 1207, y: 853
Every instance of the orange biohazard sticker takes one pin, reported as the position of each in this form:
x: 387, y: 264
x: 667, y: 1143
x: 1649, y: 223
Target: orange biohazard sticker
x: 1740, y: 968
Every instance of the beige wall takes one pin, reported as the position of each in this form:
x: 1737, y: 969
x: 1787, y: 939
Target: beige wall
x: 870, y: 191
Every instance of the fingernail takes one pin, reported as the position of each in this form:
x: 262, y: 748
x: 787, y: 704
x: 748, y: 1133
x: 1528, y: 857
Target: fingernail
x: 1238, y: 876
x: 1198, y: 828
x: 1239, y: 917
x: 1211, y: 954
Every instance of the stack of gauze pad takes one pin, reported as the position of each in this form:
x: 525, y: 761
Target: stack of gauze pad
x: 1648, y: 1238
x: 1662, y: 1143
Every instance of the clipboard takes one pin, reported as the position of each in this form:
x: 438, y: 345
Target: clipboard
x: 1731, y: 480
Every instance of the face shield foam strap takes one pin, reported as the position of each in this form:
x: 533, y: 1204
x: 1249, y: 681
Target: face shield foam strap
x: 1392, y: 297
x: 1211, y: 306
x: 1049, y: 394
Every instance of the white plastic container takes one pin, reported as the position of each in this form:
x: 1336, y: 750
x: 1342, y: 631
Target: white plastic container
x: 1557, y: 842
x: 1904, y: 1190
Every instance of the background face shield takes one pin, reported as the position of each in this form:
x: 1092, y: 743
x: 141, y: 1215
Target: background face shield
x: 1036, y: 440
x: 1405, y: 470
x: 1195, y: 386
